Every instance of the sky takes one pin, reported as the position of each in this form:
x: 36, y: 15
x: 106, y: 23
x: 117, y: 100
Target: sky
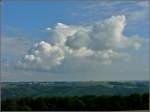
x: 74, y: 40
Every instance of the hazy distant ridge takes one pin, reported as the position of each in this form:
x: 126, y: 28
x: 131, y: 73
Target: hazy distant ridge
x: 21, y: 89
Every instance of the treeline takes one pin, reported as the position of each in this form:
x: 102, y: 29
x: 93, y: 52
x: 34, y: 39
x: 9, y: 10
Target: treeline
x: 93, y: 103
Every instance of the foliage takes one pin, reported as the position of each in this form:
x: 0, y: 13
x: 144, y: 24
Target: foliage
x: 17, y: 89
x: 88, y: 102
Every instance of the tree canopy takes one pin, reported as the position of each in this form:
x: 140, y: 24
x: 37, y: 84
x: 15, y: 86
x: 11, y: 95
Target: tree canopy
x: 88, y: 102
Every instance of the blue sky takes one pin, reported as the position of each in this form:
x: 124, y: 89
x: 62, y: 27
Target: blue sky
x: 25, y: 23
x: 30, y: 17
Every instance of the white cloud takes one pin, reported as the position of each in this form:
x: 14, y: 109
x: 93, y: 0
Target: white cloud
x: 102, y: 42
x: 48, y: 28
x: 103, y: 36
x: 42, y: 56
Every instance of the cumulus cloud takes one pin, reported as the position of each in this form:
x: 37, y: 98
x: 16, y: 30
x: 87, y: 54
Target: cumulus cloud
x: 42, y: 56
x: 103, y: 36
x: 101, y: 41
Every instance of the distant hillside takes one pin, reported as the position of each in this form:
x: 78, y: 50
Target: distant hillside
x: 23, y: 89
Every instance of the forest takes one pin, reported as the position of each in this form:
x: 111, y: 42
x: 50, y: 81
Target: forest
x: 77, y: 103
x: 98, y: 88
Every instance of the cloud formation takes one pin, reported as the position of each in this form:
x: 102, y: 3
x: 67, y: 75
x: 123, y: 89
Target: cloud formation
x: 101, y: 41
x: 43, y: 55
